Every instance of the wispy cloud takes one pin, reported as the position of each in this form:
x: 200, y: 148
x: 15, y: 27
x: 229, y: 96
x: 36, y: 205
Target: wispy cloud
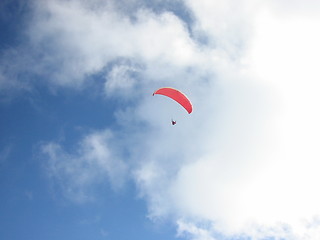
x: 5, y: 153
x: 190, y: 230
x: 93, y: 161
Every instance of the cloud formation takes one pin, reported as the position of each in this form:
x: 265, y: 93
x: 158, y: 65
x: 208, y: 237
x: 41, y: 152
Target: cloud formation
x: 79, y: 39
x: 245, y: 162
x: 76, y: 172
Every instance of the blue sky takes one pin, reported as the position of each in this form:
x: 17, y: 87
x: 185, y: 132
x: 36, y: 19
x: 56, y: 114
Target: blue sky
x: 86, y: 151
x: 31, y: 206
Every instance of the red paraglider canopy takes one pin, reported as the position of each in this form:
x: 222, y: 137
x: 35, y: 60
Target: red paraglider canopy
x: 177, y: 96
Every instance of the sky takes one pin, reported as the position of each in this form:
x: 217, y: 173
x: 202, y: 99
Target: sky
x: 86, y: 151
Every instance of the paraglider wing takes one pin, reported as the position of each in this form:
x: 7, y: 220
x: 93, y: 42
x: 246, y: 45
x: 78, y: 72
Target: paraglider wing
x: 177, y: 96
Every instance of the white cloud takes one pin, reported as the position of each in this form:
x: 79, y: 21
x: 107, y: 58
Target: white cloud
x: 251, y: 165
x: 78, y: 39
x: 94, y: 161
x: 193, y: 231
x: 121, y: 78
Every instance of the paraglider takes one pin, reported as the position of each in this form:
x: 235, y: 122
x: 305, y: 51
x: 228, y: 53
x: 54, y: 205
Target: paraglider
x: 177, y: 96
